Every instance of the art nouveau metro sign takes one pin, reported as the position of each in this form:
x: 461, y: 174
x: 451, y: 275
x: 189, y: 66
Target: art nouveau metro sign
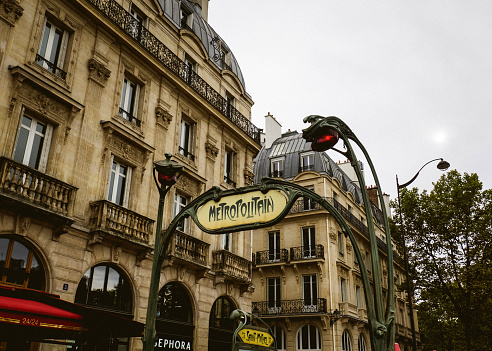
x: 252, y: 208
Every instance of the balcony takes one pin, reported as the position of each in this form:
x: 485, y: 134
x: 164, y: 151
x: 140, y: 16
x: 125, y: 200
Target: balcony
x: 302, y: 253
x: 36, y: 194
x: 277, y: 174
x: 289, y: 307
x: 302, y: 205
x: 126, y: 22
x: 271, y: 257
x: 306, y: 168
x: 231, y: 266
x: 192, y: 251
x: 120, y: 223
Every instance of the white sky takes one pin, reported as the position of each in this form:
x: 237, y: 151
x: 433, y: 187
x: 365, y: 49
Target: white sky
x: 412, y: 79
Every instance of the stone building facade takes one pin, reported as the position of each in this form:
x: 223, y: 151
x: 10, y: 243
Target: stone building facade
x: 92, y: 93
x: 305, y: 270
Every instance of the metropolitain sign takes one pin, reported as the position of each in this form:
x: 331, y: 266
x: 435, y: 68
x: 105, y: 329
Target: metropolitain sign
x: 254, y: 207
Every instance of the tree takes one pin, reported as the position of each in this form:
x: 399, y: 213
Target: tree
x: 449, y: 242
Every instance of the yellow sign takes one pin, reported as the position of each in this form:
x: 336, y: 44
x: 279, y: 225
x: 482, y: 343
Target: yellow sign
x: 255, y: 337
x: 249, y: 208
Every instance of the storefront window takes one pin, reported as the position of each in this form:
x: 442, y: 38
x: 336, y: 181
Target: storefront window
x: 221, y: 327
x: 20, y: 266
x: 174, y: 303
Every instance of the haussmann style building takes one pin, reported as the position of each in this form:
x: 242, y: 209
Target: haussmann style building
x: 92, y: 92
x: 307, y: 279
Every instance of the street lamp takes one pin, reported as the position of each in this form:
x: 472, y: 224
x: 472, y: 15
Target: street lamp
x: 442, y: 165
x: 166, y: 173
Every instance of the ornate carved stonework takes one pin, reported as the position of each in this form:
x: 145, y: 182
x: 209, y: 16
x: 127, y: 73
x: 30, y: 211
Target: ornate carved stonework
x: 116, y: 253
x: 123, y: 149
x: 98, y: 72
x: 248, y: 177
x: 349, y: 246
x: 188, y: 185
x: 333, y: 237
x: 43, y: 103
x: 10, y: 11
x: 212, y: 150
x: 163, y: 115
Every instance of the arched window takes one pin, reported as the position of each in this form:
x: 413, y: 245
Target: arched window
x: 362, y: 343
x: 174, y: 303
x: 308, y: 338
x: 221, y: 327
x: 104, y: 286
x: 279, y: 335
x: 20, y: 265
x: 346, y: 343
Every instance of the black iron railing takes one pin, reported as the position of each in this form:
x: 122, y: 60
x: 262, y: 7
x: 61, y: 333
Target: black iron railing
x: 123, y: 19
x: 276, y: 174
x: 129, y: 117
x: 307, y: 252
x: 306, y: 168
x: 186, y: 154
x: 40, y: 60
x: 290, y: 307
x: 272, y: 256
x: 302, y: 205
x: 229, y: 181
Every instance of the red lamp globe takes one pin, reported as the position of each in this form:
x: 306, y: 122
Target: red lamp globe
x: 167, y: 179
x: 325, y: 139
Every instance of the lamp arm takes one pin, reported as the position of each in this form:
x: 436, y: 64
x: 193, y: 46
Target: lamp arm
x: 416, y: 175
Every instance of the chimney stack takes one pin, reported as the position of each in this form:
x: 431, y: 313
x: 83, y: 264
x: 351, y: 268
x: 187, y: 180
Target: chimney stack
x: 273, y: 130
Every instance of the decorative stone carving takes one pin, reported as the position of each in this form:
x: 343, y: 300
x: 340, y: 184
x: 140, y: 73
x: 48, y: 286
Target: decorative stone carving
x: 24, y: 223
x: 163, y: 115
x: 43, y: 103
x: 116, y: 253
x: 349, y: 246
x: 10, y: 11
x: 212, y: 150
x: 248, y: 177
x: 98, y: 72
x: 333, y: 237
x: 188, y: 185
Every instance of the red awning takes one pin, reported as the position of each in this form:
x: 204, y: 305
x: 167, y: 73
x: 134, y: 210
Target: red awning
x: 44, y: 316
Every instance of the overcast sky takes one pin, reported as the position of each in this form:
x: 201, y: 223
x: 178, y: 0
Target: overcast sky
x: 412, y: 79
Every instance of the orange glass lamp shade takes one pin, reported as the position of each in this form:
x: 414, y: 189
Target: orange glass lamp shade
x: 325, y: 139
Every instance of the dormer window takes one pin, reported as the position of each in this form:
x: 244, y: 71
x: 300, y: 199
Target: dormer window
x: 307, y: 162
x: 277, y: 168
x: 186, y: 17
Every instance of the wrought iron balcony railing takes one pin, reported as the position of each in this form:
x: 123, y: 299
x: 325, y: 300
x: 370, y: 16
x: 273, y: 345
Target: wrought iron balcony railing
x: 271, y: 256
x: 125, y: 21
x: 290, y: 307
x: 229, y: 264
x: 229, y: 181
x: 306, y: 168
x: 109, y: 217
x: 187, y: 154
x: 276, y: 174
x: 307, y: 252
x: 129, y: 117
x: 40, y: 60
x: 302, y: 205
x: 35, y: 187
x: 189, y: 248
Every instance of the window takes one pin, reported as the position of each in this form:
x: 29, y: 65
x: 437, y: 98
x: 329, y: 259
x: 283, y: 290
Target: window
x: 274, y: 246
x: 279, y: 335
x: 180, y: 202
x: 309, y: 242
x: 33, y: 143
x: 190, y: 68
x: 358, y: 294
x: 137, y: 23
x: 52, y: 49
x: 368, y: 262
x: 226, y: 242
x: 229, y: 168
x: 308, y: 338
x: 230, y: 105
x: 343, y: 289
x: 186, y: 139
x: 105, y: 286
x: 129, y: 100
x: 277, y: 168
x: 346, y: 343
x: 20, y: 266
x: 119, y: 183
x: 220, y: 314
x: 186, y: 18
x: 174, y: 303
x: 310, y: 293
x: 340, y: 244
x: 274, y: 299
x: 362, y: 343
x: 307, y: 163
x: 308, y: 203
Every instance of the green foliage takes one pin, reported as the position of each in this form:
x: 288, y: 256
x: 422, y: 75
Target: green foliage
x: 448, y: 234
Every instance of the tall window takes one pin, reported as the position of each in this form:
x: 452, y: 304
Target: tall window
x: 309, y: 242
x: 274, y: 246
x: 362, y: 343
x: 129, y: 100
x: 190, y: 68
x: 174, y: 303
x: 308, y: 338
x: 229, y: 168
x: 274, y: 299
x: 52, y: 49
x: 308, y: 203
x: 340, y: 244
x: 279, y: 335
x: 346, y: 343
x: 368, y: 262
x: 186, y: 139
x: 180, y: 202
x: 105, y: 286
x: 33, y: 143
x: 307, y: 162
x: 358, y: 294
x: 277, y: 168
x: 119, y: 183
x: 136, y: 24
x: 343, y: 289
x: 226, y: 242
x: 310, y: 292
x: 230, y: 103
x: 19, y: 265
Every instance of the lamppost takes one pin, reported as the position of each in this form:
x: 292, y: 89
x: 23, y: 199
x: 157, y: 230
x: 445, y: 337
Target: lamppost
x: 324, y: 133
x: 165, y: 174
x: 442, y: 165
